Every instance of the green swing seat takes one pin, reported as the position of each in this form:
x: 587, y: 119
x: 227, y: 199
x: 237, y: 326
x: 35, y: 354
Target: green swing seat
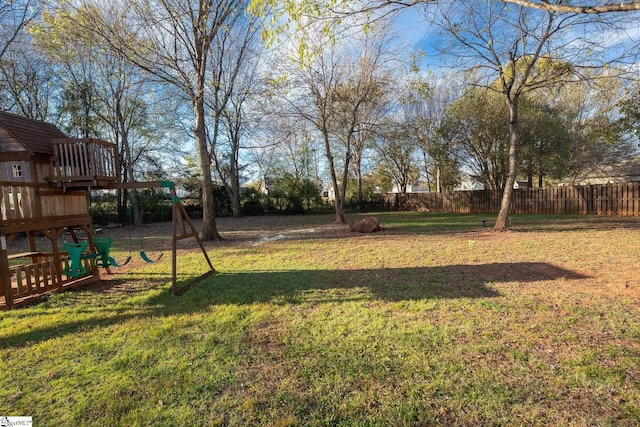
x: 103, y: 259
x: 144, y: 256
x: 75, y: 269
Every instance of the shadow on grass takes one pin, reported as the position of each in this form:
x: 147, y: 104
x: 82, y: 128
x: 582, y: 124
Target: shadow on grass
x: 386, y: 284
x: 299, y: 287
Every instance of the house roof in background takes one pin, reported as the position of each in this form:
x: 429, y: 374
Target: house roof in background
x: 626, y: 168
x: 22, y: 134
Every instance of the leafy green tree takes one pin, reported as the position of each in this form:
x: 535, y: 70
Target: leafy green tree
x: 396, y: 149
x: 592, y: 119
x: 629, y: 122
x: 476, y: 124
x: 545, y: 143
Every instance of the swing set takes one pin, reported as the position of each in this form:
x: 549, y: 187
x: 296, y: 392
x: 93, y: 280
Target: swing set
x: 102, y: 257
x: 45, y: 181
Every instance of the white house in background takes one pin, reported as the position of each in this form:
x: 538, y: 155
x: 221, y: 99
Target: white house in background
x: 625, y: 171
x: 469, y: 183
x: 413, y: 187
x: 473, y: 183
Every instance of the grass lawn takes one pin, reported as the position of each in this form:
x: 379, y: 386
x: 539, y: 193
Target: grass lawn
x: 436, y: 320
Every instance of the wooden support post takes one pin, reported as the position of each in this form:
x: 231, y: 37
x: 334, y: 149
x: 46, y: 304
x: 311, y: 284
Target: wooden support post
x: 180, y: 216
x: 174, y: 244
x: 88, y: 228
x: 6, y: 278
x: 185, y: 215
x: 31, y: 236
x: 53, y: 235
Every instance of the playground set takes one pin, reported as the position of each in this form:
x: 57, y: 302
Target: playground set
x: 46, y: 179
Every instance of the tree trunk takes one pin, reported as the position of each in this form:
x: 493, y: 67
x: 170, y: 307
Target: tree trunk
x: 360, y: 197
x: 209, y: 228
x: 334, y: 181
x: 514, y: 135
x: 133, y: 194
x: 235, y: 175
x: 343, y: 192
x: 235, y: 195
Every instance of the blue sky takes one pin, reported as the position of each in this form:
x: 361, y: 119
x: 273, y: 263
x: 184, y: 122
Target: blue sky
x: 416, y: 32
x: 414, y: 28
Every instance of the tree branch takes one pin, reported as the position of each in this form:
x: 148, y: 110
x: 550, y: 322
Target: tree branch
x: 567, y: 8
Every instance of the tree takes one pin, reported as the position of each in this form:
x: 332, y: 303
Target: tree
x: 506, y: 39
x: 15, y: 15
x: 170, y: 39
x: 424, y: 106
x: 56, y: 37
x: 396, y: 149
x: 330, y: 12
x: 513, y: 51
x: 234, y: 78
x: 629, y: 122
x: 27, y: 83
x: 363, y: 98
x: 341, y: 91
x: 104, y: 94
x: 313, y: 98
x: 477, y: 124
x: 592, y: 119
x: 545, y: 142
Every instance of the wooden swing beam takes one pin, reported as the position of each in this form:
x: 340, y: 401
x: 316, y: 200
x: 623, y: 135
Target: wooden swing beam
x: 179, y: 218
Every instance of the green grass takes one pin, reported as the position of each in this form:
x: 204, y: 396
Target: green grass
x: 434, y: 321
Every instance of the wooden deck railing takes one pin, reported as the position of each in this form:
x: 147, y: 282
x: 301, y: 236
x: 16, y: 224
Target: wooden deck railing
x: 41, y: 277
x: 84, y: 160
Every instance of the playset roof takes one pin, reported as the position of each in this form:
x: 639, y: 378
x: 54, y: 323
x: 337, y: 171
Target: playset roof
x: 20, y: 134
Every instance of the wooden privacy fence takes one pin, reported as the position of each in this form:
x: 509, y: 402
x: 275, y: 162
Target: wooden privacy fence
x: 621, y: 199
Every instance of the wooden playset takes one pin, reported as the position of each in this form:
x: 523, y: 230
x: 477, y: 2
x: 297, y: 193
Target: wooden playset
x: 46, y: 179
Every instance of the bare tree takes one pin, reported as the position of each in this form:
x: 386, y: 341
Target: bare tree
x: 15, y: 15
x: 25, y: 77
x: 234, y: 77
x: 170, y: 39
x: 424, y: 104
x: 341, y: 91
x: 312, y: 95
x: 364, y: 97
x: 28, y: 83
